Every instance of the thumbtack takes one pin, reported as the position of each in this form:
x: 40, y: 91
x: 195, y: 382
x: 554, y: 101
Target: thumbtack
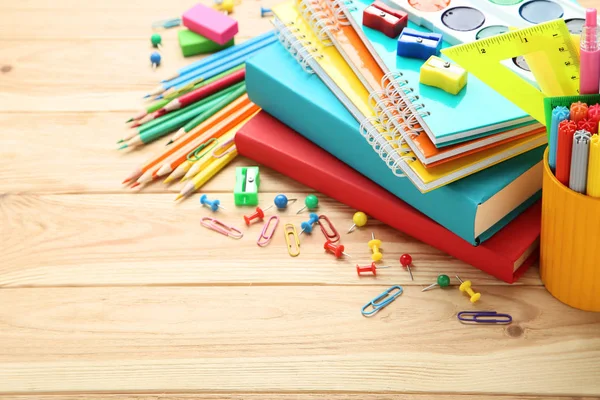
x: 281, y: 201
x: 337, y: 250
x: 369, y: 268
x: 259, y: 214
x: 466, y: 287
x: 360, y: 219
x: 307, y: 226
x: 156, y: 40
x: 442, y: 281
x: 311, y: 202
x: 374, y: 245
x: 265, y: 11
x: 406, y: 261
x: 155, y: 59
x: 214, y: 205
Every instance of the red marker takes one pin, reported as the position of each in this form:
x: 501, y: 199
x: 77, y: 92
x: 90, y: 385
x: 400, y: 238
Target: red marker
x: 566, y: 129
x: 579, y: 111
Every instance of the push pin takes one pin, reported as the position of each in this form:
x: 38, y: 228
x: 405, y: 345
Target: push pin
x: 156, y: 41
x: 155, y: 59
x: 259, y: 214
x: 307, y: 226
x: 311, y: 202
x: 281, y: 201
x: 265, y: 11
x: 337, y: 250
x: 214, y: 205
x: 466, y: 287
x: 442, y: 281
x: 374, y: 245
x: 369, y: 268
x: 406, y: 261
x: 359, y: 219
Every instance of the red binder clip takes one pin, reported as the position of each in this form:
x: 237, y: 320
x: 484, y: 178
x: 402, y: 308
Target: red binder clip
x: 383, y: 18
x: 337, y: 251
x: 259, y: 215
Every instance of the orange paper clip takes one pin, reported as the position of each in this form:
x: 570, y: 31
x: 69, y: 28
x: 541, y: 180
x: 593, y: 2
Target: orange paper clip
x: 223, y: 229
x: 265, y: 236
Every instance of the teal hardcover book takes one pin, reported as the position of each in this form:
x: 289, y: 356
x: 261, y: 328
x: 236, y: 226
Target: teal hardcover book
x: 476, y: 111
x: 474, y: 208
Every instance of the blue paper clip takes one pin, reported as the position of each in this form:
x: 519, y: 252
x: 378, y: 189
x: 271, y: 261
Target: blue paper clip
x: 484, y: 317
x: 382, y: 300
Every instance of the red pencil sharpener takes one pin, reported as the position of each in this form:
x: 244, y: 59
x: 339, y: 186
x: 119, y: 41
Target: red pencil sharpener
x: 381, y: 17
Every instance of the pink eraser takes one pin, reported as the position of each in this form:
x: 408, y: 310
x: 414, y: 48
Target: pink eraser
x: 210, y: 23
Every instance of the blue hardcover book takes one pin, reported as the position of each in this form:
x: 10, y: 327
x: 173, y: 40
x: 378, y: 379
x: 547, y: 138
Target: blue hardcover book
x: 474, y: 208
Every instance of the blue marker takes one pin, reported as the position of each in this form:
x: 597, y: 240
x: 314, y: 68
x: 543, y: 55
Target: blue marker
x: 559, y: 114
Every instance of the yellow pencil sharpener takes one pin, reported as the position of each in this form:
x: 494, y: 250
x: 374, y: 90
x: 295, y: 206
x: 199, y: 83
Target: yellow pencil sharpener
x: 444, y: 75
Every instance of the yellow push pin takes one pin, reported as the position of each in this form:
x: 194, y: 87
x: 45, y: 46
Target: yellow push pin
x: 374, y: 244
x: 466, y: 287
x: 359, y: 219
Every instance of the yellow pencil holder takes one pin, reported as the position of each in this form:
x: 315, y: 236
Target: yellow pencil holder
x: 570, y: 244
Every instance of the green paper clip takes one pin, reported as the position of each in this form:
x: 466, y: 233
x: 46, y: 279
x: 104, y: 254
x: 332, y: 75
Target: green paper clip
x: 247, y: 180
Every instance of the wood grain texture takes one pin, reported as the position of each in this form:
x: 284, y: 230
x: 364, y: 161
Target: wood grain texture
x: 108, y: 293
x: 147, y: 239
x: 257, y: 338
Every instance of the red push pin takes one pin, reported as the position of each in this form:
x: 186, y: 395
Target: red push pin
x: 369, y: 268
x: 259, y: 215
x: 406, y: 261
x: 336, y: 250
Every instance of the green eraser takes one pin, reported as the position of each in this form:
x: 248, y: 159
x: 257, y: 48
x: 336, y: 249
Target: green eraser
x: 191, y: 43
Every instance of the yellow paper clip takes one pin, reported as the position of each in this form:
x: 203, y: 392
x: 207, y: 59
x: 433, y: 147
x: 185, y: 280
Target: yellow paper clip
x: 290, y: 230
x: 444, y: 75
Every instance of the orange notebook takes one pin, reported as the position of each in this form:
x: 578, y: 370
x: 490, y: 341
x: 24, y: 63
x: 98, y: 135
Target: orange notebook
x: 366, y: 68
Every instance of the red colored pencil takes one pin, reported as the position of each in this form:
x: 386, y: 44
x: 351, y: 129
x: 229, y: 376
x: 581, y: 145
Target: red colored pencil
x: 566, y: 129
x: 202, y: 92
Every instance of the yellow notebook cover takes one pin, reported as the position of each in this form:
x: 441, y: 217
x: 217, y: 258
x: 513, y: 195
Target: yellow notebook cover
x: 341, y: 79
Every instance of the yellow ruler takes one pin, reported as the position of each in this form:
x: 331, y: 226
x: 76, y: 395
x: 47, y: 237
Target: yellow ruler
x: 554, y: 56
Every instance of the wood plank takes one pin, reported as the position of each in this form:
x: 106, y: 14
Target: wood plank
x: 38, y: 159
x: 109, y: 19
x: 88, y: 240
x: 278, y: 396
x: 300, y: 339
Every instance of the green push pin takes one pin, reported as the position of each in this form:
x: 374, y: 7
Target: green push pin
x: 442, y: 281
x: 156, y: 40
x: 311, y: 202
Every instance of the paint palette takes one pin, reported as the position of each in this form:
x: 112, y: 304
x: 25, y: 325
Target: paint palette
x: 464, y: 21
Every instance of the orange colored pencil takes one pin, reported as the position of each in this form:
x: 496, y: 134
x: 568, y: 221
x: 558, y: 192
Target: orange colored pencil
x: 229, y: 122
x: 197, y: 131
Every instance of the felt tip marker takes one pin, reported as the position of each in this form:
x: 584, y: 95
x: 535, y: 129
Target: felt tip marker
x: 590, y: 54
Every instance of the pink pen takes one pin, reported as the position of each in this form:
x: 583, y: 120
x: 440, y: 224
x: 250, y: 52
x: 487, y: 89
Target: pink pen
x: 590, y: 54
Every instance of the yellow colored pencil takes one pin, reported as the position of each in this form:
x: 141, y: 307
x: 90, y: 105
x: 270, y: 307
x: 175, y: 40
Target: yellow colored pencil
x: 206, y: 174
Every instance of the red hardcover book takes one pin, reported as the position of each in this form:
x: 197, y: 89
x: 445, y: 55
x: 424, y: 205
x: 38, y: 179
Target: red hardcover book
x: 506, y: 255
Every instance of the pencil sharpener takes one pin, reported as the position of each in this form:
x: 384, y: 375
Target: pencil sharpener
x: 416, y: 44
x: 383, y: 18
x: 444, y: 75
x: 247, y: 181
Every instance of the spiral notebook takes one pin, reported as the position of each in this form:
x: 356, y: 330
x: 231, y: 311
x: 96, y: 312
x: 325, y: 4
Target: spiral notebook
x: 357, y: 55
x: 446, y: 118
x: 296, y: 35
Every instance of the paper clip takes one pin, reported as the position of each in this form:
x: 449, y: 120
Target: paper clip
x: 290, y: 229
x: 332, y: 237
x: 224, y: 148
x: 382, y: 300
x: 193, y: 156
x: 218, y: 226
x: 484, y: 317
x: 265, y: 238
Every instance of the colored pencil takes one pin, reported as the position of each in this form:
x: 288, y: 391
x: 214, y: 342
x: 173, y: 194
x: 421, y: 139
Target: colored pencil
x: 226, y: 124
x: 153, y: 164
x: 171, y: 124
x: 240, y: 91
x: 216, y: 57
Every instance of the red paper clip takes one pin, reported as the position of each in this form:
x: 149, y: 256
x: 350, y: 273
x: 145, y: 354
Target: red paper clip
x: 265, y: 237
x: 332, y: 237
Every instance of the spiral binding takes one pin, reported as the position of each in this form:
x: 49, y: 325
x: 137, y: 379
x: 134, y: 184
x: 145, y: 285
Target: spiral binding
x: 298, y: 46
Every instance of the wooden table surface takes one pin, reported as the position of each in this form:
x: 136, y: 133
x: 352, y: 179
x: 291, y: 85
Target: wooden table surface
x: 107, y: 292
